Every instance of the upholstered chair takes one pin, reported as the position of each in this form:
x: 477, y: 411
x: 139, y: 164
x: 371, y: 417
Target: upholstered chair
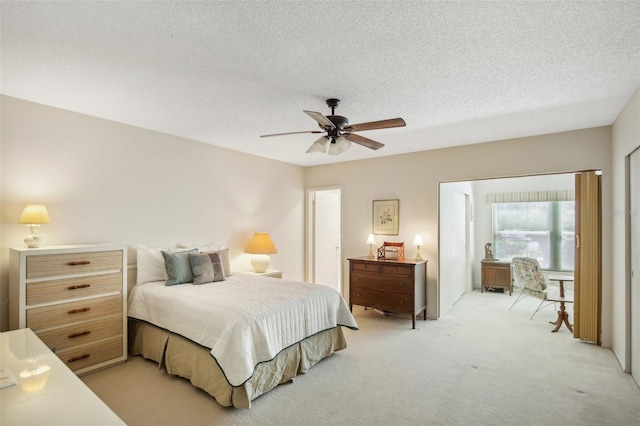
x: 532, y: 282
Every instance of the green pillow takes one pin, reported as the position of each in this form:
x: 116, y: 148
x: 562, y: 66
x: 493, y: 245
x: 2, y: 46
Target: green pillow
x: 178, y: 267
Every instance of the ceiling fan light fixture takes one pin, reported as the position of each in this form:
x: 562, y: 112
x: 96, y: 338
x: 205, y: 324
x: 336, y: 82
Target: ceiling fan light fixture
x: 339, y: 145
x: 333, y: 147
x: 343, y: 144
x: 339, y: 133
x: 320, y: 145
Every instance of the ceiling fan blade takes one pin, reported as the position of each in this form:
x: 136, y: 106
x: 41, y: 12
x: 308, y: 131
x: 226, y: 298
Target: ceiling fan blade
x: 291, y: 133
x: 321, y: 119
x: 374, y: 125
x: 361, y: 140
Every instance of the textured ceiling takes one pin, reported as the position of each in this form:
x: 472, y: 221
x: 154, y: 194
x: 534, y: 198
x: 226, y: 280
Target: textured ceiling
x: 226, y: 72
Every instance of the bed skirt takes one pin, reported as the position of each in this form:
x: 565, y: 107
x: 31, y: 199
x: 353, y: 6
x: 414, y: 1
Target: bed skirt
x: 184, y: 358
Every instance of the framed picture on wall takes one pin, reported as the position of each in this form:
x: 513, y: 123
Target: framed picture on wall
x: 386, y: 217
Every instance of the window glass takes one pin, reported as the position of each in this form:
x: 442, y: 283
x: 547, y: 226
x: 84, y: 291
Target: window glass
x: 541, y: 230
x: 567, y: 224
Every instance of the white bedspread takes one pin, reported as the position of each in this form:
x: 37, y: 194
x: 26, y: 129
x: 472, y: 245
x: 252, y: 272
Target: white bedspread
x: 245, y: 320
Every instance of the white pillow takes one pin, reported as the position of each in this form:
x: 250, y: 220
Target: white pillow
x: 150, y: 265
x: 206, y: 247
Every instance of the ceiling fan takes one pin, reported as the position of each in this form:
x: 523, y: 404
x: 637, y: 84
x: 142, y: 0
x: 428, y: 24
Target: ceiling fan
x: 339, y: 133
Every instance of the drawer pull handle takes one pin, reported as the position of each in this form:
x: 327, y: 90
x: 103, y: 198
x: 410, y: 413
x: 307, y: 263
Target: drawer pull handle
x: 82, y: 333
x: 82, y: 262
x: 79, y: 358
x: 77, y: 311
x: 75, y: 287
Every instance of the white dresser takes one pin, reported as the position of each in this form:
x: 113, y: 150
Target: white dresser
x: 74, y: 299
x: 44, y: 390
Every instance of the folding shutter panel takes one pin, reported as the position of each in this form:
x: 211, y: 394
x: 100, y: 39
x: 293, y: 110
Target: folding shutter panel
x: 588, y: 259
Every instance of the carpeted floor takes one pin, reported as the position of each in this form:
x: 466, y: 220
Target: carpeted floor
x: 480, y: 364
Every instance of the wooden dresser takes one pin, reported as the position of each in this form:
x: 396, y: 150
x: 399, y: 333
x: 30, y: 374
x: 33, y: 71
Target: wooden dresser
x: 495, y: 274
x: 398, y: 286
x: 74, y: 298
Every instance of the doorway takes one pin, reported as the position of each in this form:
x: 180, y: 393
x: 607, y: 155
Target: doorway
x: 479, y: 224
x: 325, y: 236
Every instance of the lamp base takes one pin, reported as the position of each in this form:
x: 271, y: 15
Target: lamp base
x: 260, y: 262
x: 418, y: 255
x: 33, y: 240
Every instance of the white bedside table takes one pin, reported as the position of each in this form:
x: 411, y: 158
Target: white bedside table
x: 269, y: 273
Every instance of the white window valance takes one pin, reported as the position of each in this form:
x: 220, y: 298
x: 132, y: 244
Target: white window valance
x: 531, y: 197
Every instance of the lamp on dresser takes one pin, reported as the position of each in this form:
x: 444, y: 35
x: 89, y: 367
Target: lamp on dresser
x: 418, y: 242
x: 260, y: 247
x: 371, y: 241
x: 34, y: 215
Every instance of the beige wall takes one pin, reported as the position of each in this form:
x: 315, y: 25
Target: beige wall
x: 105, y: 182
x: 625, y: 139
x: 413, y: 178
x: 108, y: 182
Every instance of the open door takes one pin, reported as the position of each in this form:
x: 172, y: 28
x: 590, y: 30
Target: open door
x: 588, y: 258
x: 325, y: 228
x: 453, y: 256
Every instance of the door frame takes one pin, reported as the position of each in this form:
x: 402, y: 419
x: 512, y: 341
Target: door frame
x: 309, y: 234
x: 631, y: 306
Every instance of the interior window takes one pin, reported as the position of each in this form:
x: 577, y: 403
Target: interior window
x: 542, y: 230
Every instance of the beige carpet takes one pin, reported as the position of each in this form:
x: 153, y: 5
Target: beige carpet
x: 480, y: 364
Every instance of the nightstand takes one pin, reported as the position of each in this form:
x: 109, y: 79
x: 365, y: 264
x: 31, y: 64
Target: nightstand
x: 269, y: 273
x: 495, y: 274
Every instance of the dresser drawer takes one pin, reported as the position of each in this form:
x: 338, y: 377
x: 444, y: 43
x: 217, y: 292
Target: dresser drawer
x: 382, y: 282
x: 383, y: 268
x: 399, y: 270
x: 59, y: 339
x: 70, y: 288
x: 73, y: 312
x: 365, y: 267
x: 86, y: 356
x: 51, y: 265
x: 396, y: 302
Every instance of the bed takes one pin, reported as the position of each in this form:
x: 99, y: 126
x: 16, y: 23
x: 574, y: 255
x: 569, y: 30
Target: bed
x: 238, y: 338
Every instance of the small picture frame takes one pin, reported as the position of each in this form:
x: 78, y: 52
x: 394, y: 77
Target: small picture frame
x: 391, y: 251
x: 386, y: 217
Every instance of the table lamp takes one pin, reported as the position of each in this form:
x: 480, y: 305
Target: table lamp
x: 371, y: 241
x: 418, y: 242
x: 33, y: 216
x: 260, y: 247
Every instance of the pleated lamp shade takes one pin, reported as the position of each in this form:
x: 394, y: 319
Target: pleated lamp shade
x: 33, y: 216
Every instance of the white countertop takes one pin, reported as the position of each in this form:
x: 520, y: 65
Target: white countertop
x: 55, y: 396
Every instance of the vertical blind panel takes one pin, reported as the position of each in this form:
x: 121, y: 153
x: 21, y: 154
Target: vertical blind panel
x: 531, y: 197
